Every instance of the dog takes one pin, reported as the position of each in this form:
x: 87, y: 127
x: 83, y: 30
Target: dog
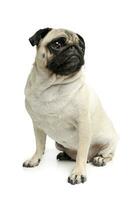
x: 62, y: 105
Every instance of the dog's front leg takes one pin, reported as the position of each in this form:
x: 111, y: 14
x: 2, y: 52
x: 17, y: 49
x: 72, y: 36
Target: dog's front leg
x: 78, y: 174
x: 40, y: 138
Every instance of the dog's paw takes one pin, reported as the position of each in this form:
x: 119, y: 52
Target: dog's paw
x: 99, y: 161
x: 77, y: 176
x: 76, y: 179
x: 62, y: 156
x: 31, y: 162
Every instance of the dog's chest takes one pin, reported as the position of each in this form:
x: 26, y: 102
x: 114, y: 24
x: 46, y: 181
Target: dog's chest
x: 54, y: 111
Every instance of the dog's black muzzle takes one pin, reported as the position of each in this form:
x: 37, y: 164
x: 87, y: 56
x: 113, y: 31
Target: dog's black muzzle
x: 67, y: 61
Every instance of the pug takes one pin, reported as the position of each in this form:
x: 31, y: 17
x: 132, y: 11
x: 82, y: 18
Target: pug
x: 62, y: 105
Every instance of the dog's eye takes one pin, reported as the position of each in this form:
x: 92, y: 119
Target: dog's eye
x: 58, y: 43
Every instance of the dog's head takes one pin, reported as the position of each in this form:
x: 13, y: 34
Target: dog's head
x: 59, y: 50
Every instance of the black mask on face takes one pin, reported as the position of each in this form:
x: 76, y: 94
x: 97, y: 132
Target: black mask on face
x: 68, y: 58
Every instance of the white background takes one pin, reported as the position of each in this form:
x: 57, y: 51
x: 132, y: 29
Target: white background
x: 109, y: 29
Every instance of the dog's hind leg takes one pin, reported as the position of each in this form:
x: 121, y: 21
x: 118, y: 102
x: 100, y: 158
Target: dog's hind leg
x: 103, y: 156
x: 40, y: 138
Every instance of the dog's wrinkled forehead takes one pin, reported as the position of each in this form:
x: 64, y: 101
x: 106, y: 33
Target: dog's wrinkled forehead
x: 57, y: 33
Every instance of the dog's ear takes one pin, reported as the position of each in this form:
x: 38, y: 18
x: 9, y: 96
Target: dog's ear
x: 81, y: 41
x: 35, y: 39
